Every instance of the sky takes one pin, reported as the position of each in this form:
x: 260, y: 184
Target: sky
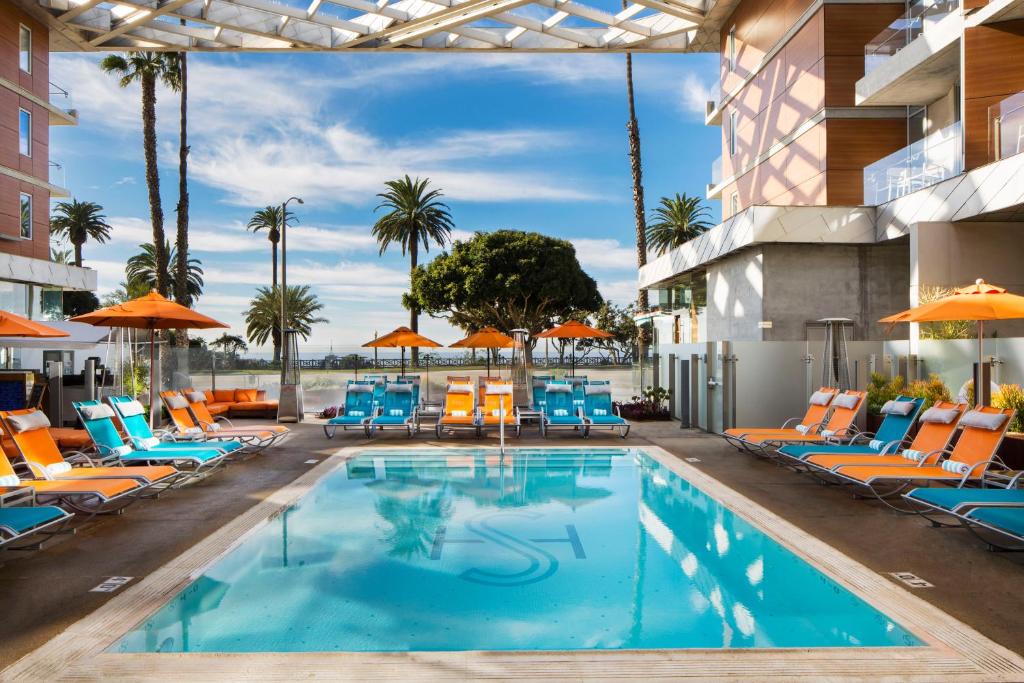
x: 523, y: 141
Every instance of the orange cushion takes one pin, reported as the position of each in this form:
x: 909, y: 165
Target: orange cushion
x: 209, y: 395
x: 68, y: 438
x: 253, y: 406
x: 224, y: 395
x: 218, y: 408
x: 245, y: 395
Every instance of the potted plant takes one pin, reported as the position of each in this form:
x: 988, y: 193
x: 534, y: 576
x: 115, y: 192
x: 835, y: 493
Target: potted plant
x: 1011, y: 450
x: 649, y: 405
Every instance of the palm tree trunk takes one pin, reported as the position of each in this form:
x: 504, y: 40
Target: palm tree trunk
x: 633, y: 131
x: 78, y: 254
x: 273, y: 261
x: 156, y: 212
x: 414, y: 314
x: 181, y: 267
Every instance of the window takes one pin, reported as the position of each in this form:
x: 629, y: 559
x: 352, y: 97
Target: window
x: 733, y: 121
x: 25, y: 132
x: 26, y: 216
x: 25, y: 49
x: 734, y: 204
x: 731, y: 49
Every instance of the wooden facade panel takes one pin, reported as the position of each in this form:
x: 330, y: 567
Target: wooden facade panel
x: 856, y: 143
x: 848, y: 28
x: 993, y: 54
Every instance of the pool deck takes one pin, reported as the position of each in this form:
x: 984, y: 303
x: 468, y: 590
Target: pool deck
x: 47, y: 593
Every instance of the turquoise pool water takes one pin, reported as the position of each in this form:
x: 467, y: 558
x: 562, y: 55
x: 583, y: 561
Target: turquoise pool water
x: 541, y: 550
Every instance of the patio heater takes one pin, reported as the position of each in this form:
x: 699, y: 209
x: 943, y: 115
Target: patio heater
x: 520, y: 368
x: 835, y: 361
x: 289, y: 405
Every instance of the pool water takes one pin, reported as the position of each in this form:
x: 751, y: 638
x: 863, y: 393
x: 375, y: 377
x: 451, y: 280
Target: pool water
x: 539, y: 550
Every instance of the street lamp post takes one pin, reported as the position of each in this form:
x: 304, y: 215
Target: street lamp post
x: 284, y: 274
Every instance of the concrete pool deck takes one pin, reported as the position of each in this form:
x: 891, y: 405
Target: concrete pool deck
x: 48, y: 592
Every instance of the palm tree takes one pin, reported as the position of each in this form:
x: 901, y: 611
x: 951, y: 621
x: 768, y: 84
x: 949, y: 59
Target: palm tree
x: 676, y: 221
x: 230, y: 343
x: 177, y: 79
x: 633, y: 133
x: 263, y: 318
x: 79, y: 222
x: 142, y: 273
x: 62, y: 256
x: 415, y: 216
x: 147, y: 68
x: 269, y: 219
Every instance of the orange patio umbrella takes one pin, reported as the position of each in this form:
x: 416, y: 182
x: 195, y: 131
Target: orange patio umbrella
x: 485, y: 338
x: 978, y: 302
x: 402, y: 338
x: 150, y: 312
x: 574, y: 329
x: 12, y: 325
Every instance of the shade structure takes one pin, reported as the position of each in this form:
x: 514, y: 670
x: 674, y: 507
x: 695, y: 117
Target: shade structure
x: 574, y: 329
x: 402, y: 338
x: 978, y: 302
x: 485, y: 338
x: 150, y: 312
x: 13, y: 325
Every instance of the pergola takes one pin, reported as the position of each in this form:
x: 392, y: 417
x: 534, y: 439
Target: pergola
x: 433, y: 25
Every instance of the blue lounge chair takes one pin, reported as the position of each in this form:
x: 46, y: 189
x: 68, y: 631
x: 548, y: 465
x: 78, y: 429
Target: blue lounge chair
x: 414, y: 380
x: 900, y: 415
x: 578, y: 382
x: 398, y: 412
x: 109, y: 444
x: 560, y: 411
x: 358, y: 409
x: 997, y: 510
x: 537, y: 388
x: 131, y: 416
x: 599, y: 412
x: 21, y: 519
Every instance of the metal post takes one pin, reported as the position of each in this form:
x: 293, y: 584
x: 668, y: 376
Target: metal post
x: 55, y: 388
x: 90, y: 380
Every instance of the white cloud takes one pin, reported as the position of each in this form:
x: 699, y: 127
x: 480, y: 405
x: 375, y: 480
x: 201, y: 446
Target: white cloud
x: 607, y: 254
x: 126, y: 180
x: 621, y: 292
x: 695, y: 93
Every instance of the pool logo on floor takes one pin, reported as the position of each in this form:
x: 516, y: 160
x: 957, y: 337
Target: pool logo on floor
x: 541, y: 564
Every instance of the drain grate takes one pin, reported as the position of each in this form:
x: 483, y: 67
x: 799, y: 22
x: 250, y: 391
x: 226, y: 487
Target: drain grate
x: 312, y: 462
x: 111, y: 584
x: 912, y: 580
x: 692, y: 459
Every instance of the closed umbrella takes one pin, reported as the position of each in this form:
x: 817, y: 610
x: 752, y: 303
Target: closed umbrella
x: 485, y: 338
x: 978, y: 302
x: 574, y: 330
x: 402, y: 338
x: 150, y: 312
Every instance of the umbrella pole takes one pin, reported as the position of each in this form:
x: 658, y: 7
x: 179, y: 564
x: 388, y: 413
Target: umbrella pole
x: 980, y: 385
x: 403, y: 361
x: 152, y: 372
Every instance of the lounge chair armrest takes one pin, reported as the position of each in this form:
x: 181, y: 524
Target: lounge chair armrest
x: 21, y: 496
x: 79, y: 457
x: 929, y: 454
x: 790, y: 421
x: 983, y: 465
x: 223, y: 418
x: 1013, y: 482
x: 36, y: 469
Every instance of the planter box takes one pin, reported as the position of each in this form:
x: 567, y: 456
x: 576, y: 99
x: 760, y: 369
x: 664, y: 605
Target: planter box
x: 1011, y: 450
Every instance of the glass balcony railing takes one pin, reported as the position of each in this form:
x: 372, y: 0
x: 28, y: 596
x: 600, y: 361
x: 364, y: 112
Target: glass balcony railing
x: 920, y: 16
x: 58, y: 176
x: 930, y: 160
x: 1006, y: 127
x: 716, y: 172
x: 61, y: 98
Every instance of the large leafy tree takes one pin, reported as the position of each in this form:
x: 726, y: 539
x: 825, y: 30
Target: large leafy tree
x: 146, y: 69
x: 79, y: 222
x: 263, y: 317
x: 142, y: 273
x: 619, y: 321
x: 415, y: 215
x: 269, y: 219
x: 677, y: 220
x: 508, y: 279
x: 231, y: 344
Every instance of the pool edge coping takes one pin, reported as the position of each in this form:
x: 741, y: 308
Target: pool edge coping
x: 952, y: 650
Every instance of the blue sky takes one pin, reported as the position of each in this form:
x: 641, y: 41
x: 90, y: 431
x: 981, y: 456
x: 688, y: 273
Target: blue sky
x: 531, y: 142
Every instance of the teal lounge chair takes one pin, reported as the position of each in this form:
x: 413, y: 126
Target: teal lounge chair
x: 560, y: 412
x: 414, y: 380
x: 578, y: 382
x: 24, y: 520
x: 398, y: 411
x: 109, y: 444
x: 900, y: 415
x: 997, y: 510
x: 131, y: 416
x: 358, y: 409
x: 599, y: 412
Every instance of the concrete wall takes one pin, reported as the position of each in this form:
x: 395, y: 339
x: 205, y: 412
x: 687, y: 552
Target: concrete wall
x: 735, y: 297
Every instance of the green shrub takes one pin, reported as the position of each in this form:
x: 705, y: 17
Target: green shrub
x: 1011, y: 396
x: 882, y: 389
x: 931, y: 390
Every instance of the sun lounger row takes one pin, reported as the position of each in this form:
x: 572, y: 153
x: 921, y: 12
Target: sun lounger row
x: 41, y: 488
x: 945, y: 468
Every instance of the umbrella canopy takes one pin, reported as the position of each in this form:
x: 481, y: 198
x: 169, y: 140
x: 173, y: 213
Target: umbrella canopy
x: 12, y: 325
x: 485, y: 338
x: 150, y: 312
x: 979, y: 302
x: 402, y: 338
x: 574, y: 329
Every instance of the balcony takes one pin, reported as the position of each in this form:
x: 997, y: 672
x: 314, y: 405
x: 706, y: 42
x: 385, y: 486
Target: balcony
x: 920, y: 18
x: 62, y: 110
x: 926, y: 162
x: 58, y: 180
x: 716, y: 179
x: 1006, y: 127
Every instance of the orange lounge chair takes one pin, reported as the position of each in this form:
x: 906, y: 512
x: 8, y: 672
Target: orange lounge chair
x: 209, y: 423
x: 459, y: 409
x: 185, y: 427
x: 28, y: 430
x: 982, y: 431
x: 491, y: 410
x: 91, y: 496
x: 840, y: 425
x: 933, y: 437
x: 817, y: 409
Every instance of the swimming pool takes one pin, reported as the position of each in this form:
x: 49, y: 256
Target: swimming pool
x: 544, y: 549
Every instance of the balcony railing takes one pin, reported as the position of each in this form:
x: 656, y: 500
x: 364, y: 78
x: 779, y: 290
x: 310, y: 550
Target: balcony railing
x: 928, y: 161
x: 716, y: 172
x: 920, y: 16
x: 58, y: 176
x: 1006, y: 127
x: 61, y: 98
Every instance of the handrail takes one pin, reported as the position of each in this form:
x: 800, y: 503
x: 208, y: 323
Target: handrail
x: 904, y: 30
x: 1006, y: 127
